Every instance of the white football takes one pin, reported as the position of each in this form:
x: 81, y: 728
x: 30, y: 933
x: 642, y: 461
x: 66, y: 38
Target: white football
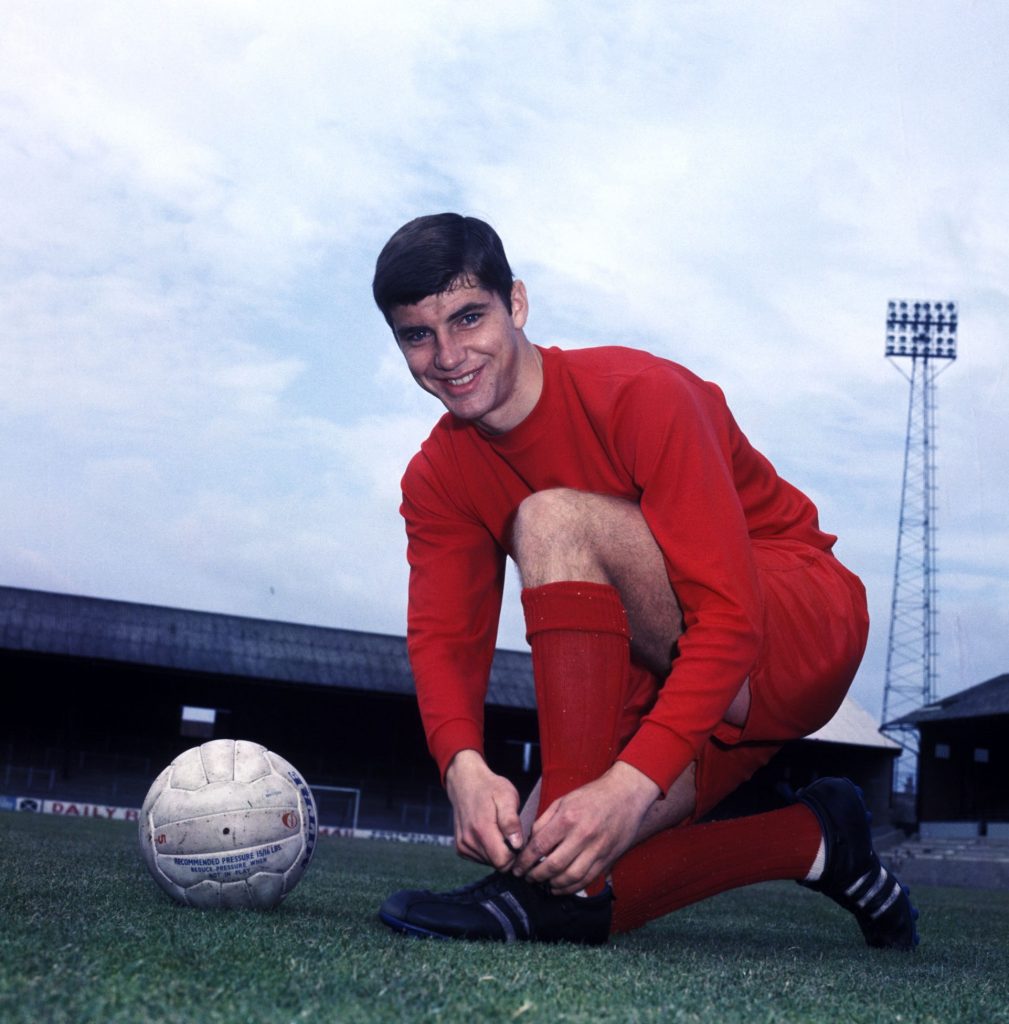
x: 228, y: 824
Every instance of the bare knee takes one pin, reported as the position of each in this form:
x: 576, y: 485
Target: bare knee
x: 552, y: 538
x: 562, y: 534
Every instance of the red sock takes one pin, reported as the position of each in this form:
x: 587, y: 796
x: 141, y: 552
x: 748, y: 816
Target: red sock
x: 581, y: 656
x: 684, y: 865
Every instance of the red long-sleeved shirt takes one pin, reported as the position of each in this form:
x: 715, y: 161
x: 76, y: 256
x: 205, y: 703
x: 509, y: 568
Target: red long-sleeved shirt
x: 610, y: 421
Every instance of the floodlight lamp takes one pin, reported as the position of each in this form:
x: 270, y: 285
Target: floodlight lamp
x: 923, y: 328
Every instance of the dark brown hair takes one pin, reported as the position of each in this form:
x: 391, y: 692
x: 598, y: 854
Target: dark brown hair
x: 425, y: 256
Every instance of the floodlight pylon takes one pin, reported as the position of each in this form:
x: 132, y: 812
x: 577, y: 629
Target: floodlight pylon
x: 926, y: 334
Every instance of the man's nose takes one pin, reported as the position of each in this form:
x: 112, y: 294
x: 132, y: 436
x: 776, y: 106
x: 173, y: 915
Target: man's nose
x: 448, y: 353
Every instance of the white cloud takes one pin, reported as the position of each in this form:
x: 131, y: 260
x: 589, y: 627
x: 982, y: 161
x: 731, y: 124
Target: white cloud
x: 199, y: 403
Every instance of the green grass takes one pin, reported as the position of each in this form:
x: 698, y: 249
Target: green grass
x: 85, y: 935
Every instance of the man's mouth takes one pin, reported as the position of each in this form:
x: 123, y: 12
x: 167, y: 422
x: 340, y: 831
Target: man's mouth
x: 458, y: 382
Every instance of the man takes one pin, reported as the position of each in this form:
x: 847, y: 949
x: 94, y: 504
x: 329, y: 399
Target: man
x: 685, y: 613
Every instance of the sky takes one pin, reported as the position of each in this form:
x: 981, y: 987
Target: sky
x: 200, y: 406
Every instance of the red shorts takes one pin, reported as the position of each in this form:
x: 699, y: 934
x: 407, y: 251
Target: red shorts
x: 815, y: 629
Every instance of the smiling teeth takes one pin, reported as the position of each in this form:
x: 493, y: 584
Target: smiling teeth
x: 455, y: 382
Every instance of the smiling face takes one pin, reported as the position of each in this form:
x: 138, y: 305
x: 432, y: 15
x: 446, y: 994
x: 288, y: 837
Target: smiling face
x: 466, y: 348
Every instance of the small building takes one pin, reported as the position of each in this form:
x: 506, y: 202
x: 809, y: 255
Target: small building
x: 963, y: 762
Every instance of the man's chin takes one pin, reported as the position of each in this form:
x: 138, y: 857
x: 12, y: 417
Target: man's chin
x: 462, y: 409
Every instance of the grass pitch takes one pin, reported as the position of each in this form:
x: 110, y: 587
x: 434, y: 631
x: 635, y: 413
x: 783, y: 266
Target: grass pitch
x: 85, y: 935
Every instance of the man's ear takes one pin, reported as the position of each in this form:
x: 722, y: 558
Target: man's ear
x: 520, y: 305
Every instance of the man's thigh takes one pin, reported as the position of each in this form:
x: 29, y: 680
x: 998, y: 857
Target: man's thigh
x: 815, y: 630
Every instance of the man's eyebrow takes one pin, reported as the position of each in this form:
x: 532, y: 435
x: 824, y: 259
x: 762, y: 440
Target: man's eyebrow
x: 470, y: 307
x: 404, y: 329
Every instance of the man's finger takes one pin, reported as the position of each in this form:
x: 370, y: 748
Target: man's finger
x: 540, y: 844
x: 495, y: 848
x: 531, y: 856
x: 511, y: 827
x: 546, y: 858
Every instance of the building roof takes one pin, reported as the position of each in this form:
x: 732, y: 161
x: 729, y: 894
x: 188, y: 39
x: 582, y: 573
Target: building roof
x: 854, y: 725
x: 140, y: 634
x: 69, y: 625
x: 980, y: 701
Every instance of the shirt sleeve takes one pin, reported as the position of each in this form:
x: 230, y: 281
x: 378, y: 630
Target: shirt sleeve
x: 456, y: 582
x: 677, y: 437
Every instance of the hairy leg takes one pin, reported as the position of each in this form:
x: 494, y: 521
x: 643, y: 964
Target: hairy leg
x: 570, y: 535
x: 564, y: 535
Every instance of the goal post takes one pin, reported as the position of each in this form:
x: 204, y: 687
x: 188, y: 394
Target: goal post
x: 338, y: 806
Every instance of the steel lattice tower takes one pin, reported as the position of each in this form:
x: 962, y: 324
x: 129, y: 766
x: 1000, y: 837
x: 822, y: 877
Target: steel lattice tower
x: 925, y: 334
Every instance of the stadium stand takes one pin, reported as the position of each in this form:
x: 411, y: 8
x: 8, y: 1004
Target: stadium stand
x: 95, y: 691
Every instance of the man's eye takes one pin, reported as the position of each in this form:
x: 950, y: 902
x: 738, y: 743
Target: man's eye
x: 470, y: 319
x: 415, y: 337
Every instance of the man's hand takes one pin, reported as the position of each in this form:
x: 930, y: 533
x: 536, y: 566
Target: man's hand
x: 486, y: 806
x: 579, y: 836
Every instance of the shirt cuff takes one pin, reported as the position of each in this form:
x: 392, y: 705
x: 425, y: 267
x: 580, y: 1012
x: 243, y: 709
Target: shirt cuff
x: 448, y: 739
